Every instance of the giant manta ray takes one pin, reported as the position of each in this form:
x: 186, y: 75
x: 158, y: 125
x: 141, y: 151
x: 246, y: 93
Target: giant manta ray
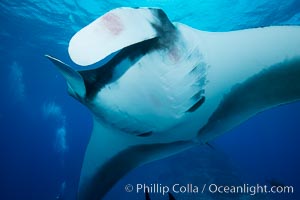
x: 169, y: 87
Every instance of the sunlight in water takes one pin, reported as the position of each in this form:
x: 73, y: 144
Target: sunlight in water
x: 17, y: 83
x: 53, y: 110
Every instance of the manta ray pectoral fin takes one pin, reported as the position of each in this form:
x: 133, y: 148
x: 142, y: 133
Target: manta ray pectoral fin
x: 112, y: 153
x: 115, y: 30
x: 270, y: 75
x: 74, y: 80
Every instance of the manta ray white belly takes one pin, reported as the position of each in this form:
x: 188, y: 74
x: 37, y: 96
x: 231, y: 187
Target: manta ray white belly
x: 171, y: 87
x: 153, y: 96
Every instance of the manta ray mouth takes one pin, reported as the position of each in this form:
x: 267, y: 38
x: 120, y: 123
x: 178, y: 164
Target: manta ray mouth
x: 112, y: 70
x: 130, y: 51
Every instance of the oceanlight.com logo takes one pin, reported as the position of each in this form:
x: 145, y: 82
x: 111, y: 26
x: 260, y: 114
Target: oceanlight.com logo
x: 189, y: 188
x: 249, y: 189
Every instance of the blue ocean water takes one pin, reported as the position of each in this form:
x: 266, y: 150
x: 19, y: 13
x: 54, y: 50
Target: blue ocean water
x: 44, y: 132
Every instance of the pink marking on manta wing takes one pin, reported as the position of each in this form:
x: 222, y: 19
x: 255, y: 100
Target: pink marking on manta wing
x: 174, y: 54
x: 113, y: 23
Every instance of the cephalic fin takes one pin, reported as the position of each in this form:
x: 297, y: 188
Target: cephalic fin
x: 114, y: 31
x: 74, y: 80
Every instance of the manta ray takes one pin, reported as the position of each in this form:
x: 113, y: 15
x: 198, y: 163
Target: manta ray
x: 165, y: 87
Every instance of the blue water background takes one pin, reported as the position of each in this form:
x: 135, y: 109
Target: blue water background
x: 44, y: 132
